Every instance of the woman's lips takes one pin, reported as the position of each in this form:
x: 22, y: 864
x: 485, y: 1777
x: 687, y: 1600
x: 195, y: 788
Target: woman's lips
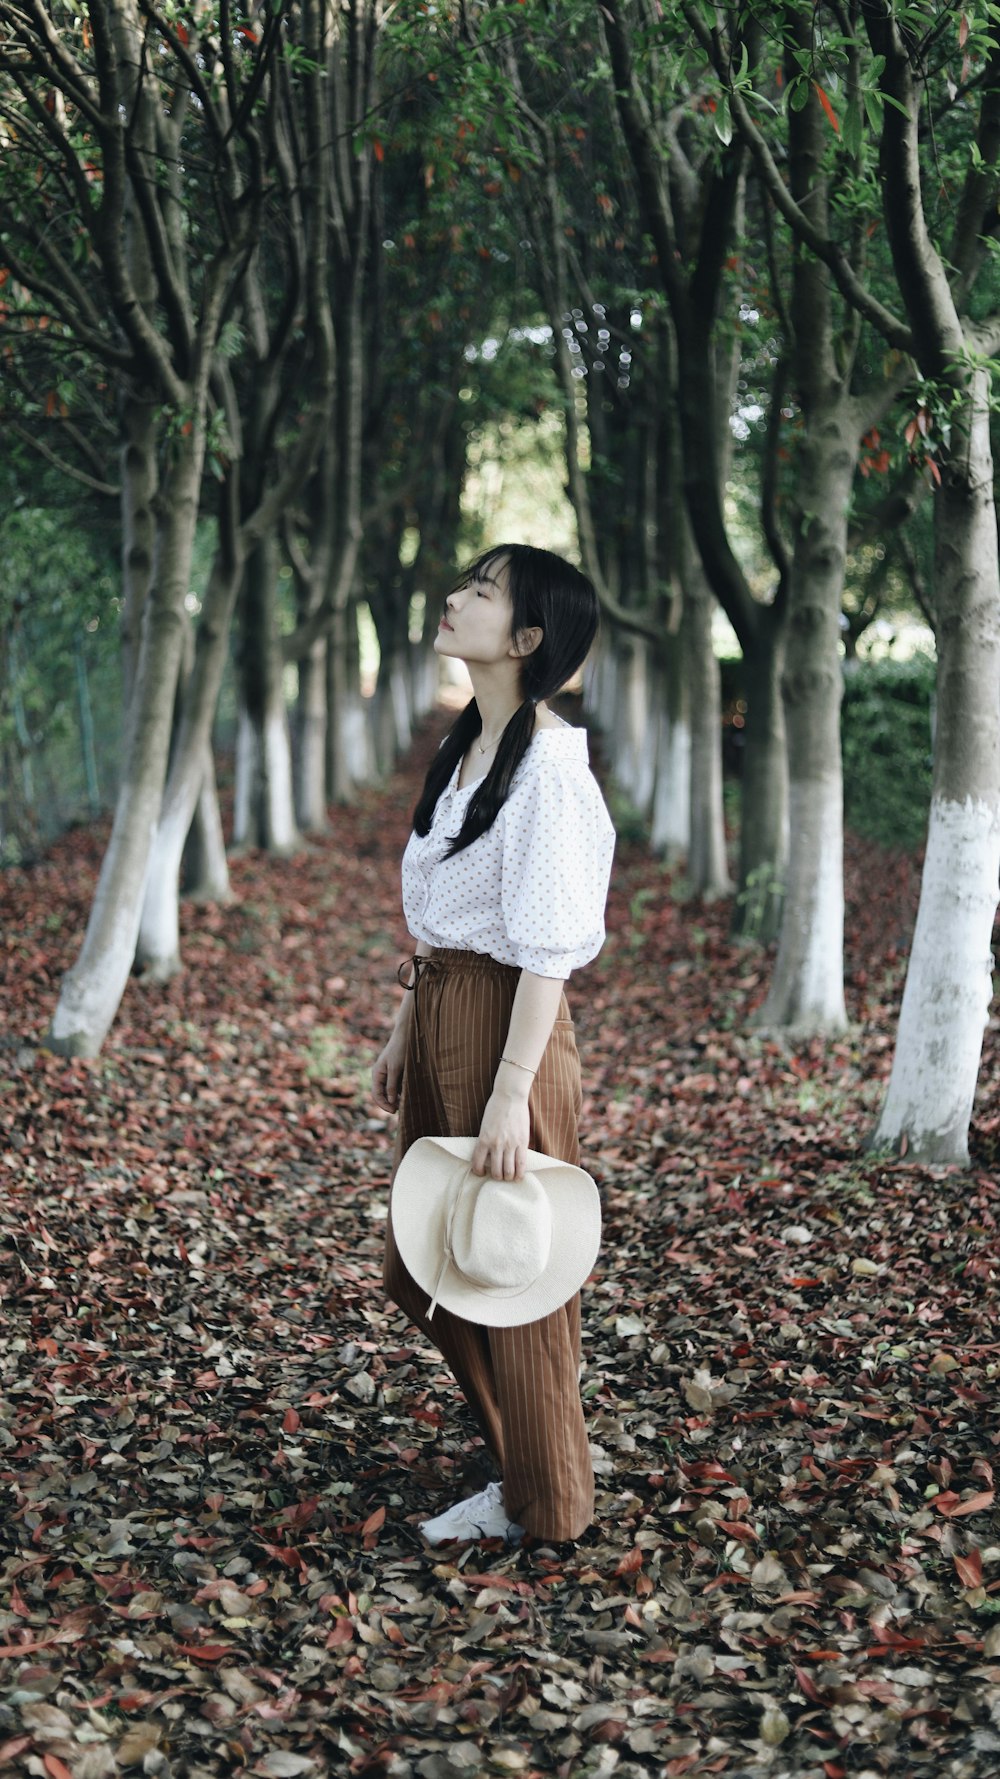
x: 444, y: 624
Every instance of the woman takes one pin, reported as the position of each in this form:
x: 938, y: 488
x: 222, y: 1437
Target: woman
x: 505, y: 878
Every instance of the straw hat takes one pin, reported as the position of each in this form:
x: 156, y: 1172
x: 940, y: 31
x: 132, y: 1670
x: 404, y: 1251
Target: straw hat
x: 498, y: 1252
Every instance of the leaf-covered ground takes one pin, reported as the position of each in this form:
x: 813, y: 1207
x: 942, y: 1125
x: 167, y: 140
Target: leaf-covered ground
x: 216, y: 1438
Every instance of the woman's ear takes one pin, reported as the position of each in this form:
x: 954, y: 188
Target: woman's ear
x: 526, y: 641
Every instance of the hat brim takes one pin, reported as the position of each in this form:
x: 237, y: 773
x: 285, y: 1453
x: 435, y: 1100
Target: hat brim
x: 418, y: 1208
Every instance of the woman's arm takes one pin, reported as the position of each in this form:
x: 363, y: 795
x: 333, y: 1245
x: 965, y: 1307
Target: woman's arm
x: 387, y: 1074
x: 503, y: 1136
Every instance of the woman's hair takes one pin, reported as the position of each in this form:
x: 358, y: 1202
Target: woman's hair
x: 547, y: 593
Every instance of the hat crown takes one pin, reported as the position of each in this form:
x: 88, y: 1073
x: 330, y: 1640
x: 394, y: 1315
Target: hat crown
x: 497, y: 1252
x: 502, y: 1234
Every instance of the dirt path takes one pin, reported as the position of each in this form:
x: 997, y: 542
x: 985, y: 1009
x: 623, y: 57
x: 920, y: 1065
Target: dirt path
x: 215, y: 1439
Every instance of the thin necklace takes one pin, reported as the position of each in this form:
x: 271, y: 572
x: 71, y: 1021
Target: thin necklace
x: 489, y: 744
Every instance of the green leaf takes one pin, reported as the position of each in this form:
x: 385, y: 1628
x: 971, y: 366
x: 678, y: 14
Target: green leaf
x: 798, y: 93
x: 723, y: 120
x: 873, y: 108
x: 851, y: 127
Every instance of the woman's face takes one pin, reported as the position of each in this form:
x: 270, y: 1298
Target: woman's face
x: 477, y: 619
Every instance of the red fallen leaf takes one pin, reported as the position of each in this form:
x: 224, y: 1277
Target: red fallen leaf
x: 723, y: 1580
x: 898, y: 1640
x: 738, y: 1529
x: 16, y: 1745
x: 374, y: 1522
x: 954, y: 1508
x: 286, y: 1554
x: 56, y: 1767
x: 632, y: 1617
x: 206, y: 1652
x: 18, y: 1603
x: 969, y: 1569
x: 631, y: 1562
x: 290, y: 1421
x: 643, y: 1586
x: 834, y: 1770
x: 808, y: 1687
x: 30, y: 1646
x: 708, y: 1469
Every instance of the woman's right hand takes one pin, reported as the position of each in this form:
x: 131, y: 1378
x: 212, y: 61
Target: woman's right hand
x: 387, y: 1075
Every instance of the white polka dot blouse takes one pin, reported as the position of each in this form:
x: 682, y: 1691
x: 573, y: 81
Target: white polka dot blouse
x: 531, y: 890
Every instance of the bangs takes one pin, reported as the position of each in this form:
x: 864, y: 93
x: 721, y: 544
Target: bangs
x: 483, y: 568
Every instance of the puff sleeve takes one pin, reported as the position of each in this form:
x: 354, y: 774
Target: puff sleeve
x: 558, y: 842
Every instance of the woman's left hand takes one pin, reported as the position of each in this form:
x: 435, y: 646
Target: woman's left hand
x: 502, y: 1149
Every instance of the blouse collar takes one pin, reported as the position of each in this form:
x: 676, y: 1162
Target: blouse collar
x: 567, y: 742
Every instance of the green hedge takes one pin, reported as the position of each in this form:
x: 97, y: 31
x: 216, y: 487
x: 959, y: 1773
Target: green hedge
x: 886, y: 737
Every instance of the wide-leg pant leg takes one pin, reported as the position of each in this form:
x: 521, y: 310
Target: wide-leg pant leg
x: 522, y: 1383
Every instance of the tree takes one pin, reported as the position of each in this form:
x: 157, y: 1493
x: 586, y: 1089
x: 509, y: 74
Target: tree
x: 101, y: 98
x: 939, y: 255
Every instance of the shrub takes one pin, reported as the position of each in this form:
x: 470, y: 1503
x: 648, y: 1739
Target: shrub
x: 886, y: 731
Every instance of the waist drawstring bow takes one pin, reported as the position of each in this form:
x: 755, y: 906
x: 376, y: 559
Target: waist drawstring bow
x: 420, y: 966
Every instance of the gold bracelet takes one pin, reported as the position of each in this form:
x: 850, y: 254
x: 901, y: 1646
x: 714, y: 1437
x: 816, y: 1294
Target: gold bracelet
x: 519, y: 1065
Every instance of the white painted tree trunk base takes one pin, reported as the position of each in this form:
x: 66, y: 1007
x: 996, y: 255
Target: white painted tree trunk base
x: 264, y: 801
x: 211, y: 882
x: 158, y: 949
x: 90, y: 996
x: 806, y: 997
x: 949, y: 988
x: 281, y: 833
x: 670, y: 831
x: 247, y: 749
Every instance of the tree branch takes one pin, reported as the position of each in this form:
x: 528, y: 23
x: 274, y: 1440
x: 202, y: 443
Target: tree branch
x: 888, y: 325
x: 108, y: 489
x: 936, y: 339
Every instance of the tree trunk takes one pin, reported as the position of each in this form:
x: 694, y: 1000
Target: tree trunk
x: 264, y: 803
x: 204, y: 867
x: 670, y: 830
x: 139, y: 476
x: 948, y: 989
x: 634, y: 756
x: 806, y: 996
x: 707, y: 864
x: 310, y: 765
x: 764, y: 803
x: 92, y: 990
x: 158, y: 944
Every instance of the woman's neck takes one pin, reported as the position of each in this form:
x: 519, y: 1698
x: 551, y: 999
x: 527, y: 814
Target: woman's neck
x: 497, y: 700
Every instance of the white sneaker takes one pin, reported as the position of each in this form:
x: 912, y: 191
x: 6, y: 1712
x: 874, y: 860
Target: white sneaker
x: 482, y: 1516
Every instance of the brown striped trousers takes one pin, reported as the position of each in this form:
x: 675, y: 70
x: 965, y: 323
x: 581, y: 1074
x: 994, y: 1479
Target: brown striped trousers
x: 521, y: 1383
